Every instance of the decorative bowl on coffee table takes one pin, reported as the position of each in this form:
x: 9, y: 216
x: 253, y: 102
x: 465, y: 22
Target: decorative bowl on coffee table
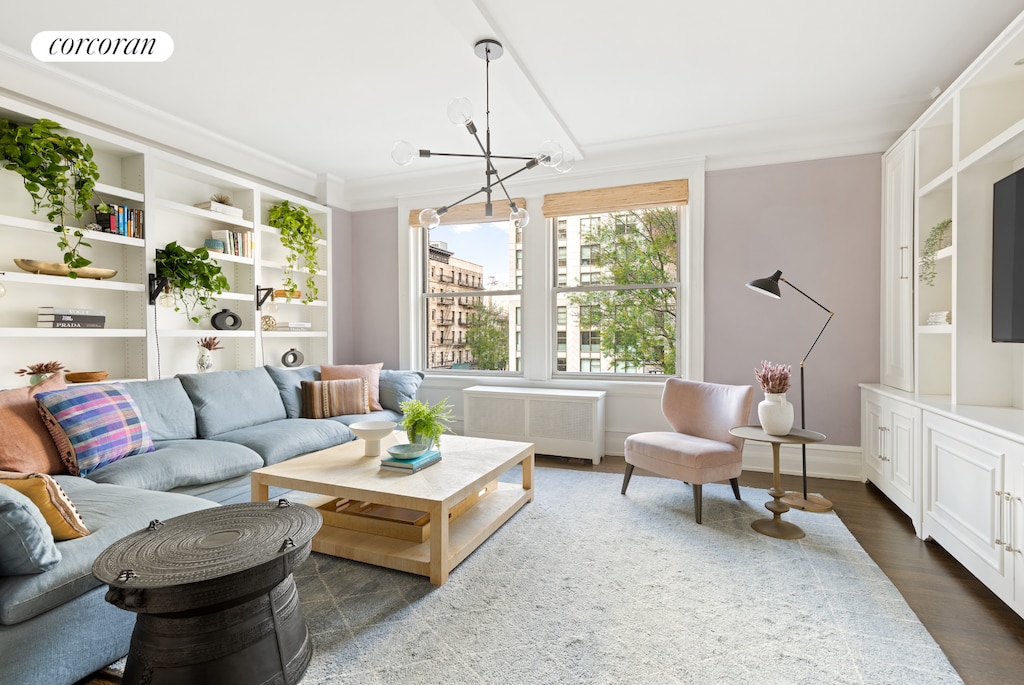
x: 407, y: 451
x: 372, y: 432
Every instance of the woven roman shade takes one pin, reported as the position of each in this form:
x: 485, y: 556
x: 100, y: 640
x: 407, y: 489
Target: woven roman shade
x: 472, y: 213
x: 619, y: 198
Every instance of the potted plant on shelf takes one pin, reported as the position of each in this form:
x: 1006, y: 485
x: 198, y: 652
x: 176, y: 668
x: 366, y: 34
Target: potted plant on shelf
x: 193, y: 279
x: 299, y: 235
x: 39, y: 372
x: 938, y: 238
x: 204, y: 360
x: 774, y: 412
x: 425, y: 423
x: 58, y: 172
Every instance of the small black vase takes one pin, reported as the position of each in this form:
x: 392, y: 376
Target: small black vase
x: 226, y: 320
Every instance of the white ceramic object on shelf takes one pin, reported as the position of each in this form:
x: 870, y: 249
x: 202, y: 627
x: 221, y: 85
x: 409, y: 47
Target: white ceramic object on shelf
x: 372, y: 432
x: 775, y: 414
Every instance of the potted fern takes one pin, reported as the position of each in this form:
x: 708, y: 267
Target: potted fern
x: 424, y: 422
x: 193, y: 279
x: 299, y: 235
x: 58, y: 172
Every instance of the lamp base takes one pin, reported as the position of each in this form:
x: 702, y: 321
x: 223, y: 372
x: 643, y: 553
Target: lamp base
x: 814, y: 503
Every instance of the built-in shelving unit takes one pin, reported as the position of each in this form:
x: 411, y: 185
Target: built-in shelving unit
x: 139, y: 340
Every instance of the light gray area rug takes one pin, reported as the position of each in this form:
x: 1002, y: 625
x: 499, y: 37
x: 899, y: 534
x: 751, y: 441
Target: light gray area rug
x: 585, y: 585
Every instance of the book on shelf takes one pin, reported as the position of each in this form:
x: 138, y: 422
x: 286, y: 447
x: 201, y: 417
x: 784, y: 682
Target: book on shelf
x: 294, y: 326
x: 124, y: 220
x: 428, y: 458
x: 70, y: 324
x: 70, y: 318
x: 236, y: 243
x: 74, y: 311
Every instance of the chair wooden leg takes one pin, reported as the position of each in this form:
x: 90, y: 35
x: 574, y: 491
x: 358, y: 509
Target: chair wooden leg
x: 626, y: 476
x: 735, y: 483
x: 698, y: 492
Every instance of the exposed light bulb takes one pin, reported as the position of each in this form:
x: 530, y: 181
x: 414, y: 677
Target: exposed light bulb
x: 520, y: 217
x: 429, y: 218
x: 403, y: 152
x: 460, y: 111
x: 549, y: 153
x: 167, y: 300
x: 567, y: 162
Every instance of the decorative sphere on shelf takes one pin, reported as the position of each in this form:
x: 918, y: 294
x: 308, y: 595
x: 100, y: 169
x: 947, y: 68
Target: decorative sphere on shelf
x: 268, y: 323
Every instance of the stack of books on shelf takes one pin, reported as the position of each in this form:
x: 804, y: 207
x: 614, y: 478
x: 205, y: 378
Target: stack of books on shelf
x: 221, y: 208
x: 237, y: 243
x: 123, y: 220
x: 70, y: 317
x: 294, y: 326
x: 428, y: 458
x: 938, y: 318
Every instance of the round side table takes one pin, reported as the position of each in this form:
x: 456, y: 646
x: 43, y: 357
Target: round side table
x: 775, y: 527
x: 214, y: 595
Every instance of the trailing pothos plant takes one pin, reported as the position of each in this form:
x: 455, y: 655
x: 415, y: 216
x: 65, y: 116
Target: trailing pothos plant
x: 937, y: 238
x: 299, y: 235
x: 193, y: 278
x: 58, y: 172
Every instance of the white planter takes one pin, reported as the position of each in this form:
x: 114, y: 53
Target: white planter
x: 775, y: 414
x: 204, y: 360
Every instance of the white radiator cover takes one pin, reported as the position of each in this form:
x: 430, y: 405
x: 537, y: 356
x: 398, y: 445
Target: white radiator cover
x: 565, y: 423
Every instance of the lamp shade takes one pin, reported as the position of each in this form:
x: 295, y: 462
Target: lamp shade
x: 767, y: 286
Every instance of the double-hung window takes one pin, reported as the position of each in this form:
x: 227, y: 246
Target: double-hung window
x: 617, y: 277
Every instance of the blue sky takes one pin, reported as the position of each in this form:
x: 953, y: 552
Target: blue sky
x: 483, y: 244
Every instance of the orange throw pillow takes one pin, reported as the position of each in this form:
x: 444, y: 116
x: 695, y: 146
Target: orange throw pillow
x: 371, y: 372
x: 25, y: 444
x: 57, y: 508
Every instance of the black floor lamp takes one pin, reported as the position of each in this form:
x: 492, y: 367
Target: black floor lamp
x: 770, y: 286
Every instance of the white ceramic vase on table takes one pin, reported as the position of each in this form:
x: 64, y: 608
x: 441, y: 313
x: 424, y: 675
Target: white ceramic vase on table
x: 775, y: 414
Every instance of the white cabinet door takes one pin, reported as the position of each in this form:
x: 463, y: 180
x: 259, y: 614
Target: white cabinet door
x: 897, y: 355
x: 890, y: 432
x: 964, y: 503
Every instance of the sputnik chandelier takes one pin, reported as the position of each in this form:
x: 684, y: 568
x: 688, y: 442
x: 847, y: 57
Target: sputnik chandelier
x: 460, y: 112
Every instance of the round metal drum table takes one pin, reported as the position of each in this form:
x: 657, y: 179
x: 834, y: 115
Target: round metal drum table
x: 214, y: 595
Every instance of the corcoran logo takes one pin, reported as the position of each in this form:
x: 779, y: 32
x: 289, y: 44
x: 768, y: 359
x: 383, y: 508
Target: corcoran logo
x: 102, y: 46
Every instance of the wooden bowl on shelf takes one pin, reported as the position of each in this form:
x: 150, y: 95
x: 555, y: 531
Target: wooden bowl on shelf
x: 85, y: 376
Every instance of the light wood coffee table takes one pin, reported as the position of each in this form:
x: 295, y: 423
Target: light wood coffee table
x: 461, y: 494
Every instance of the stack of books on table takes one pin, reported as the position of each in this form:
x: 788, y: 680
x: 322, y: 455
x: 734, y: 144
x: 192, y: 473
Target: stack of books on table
x: 70, y: 317
x: 428, y: 458
x: 294, y: 326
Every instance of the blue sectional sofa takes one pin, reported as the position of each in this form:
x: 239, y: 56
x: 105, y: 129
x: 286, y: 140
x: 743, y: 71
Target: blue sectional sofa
x: 209, y: 431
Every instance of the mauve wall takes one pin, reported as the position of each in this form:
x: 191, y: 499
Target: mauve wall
x: 820, y: 224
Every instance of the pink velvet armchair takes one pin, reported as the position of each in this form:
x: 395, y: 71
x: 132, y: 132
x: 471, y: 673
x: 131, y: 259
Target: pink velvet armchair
x: 699, y: 449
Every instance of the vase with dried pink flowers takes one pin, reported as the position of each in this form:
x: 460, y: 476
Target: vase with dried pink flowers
x: 204, y: 360
x: 39, y: 372
x: 774, y: 412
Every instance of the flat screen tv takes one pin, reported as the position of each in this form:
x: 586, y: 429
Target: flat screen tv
x: 1008, y: 259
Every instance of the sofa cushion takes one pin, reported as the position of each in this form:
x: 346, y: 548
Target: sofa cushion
x: 25, y: 444
x: 179, y: 463
x: 289, y: 383
x: 397, y: 386
x: 26, y: 543
x: 111, y: 513
x: 228, y: 400
x: 56, y: 507
x: 371, y: 372
x: 166, y: 408
x: 322, y: 399
x: 277, y: 441
x: 93, y: 425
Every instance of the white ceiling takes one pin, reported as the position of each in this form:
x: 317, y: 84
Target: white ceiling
x: 327, y: 86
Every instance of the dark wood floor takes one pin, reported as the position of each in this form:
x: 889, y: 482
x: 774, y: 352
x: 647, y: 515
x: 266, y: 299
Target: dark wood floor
x: 982, y: 637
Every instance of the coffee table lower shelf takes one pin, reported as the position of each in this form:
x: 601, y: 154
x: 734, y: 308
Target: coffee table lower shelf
x: 465, y: 534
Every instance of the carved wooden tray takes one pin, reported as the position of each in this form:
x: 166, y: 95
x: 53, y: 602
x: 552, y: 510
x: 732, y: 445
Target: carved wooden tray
x: 34, y: 266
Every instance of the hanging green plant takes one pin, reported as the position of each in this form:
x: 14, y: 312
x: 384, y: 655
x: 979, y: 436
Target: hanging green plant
x: 299, y: 235
x: 58, y: 172
x: 938, y: 237
x: 193, y: 278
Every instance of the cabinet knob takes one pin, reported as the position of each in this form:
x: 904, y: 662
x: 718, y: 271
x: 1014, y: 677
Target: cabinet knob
x: 903, y: 261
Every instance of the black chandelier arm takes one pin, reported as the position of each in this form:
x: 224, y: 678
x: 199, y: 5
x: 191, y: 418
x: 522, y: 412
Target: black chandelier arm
x: 430, y: 153
x: 499, y: 182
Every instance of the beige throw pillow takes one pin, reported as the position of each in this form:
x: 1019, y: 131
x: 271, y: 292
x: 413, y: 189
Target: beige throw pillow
x: 371, y: 372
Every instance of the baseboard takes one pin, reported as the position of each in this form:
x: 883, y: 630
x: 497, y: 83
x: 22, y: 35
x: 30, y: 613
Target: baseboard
x: 840, y: 462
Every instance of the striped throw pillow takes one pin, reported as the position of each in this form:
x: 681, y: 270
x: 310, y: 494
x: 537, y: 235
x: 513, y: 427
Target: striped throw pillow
x: 93, y: 425
x: 322, y: 399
